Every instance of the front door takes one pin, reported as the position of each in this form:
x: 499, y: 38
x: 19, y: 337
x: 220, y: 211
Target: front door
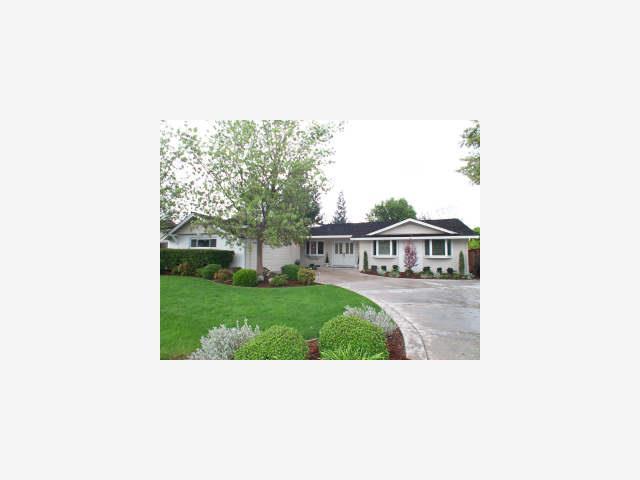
x: 344, y: 254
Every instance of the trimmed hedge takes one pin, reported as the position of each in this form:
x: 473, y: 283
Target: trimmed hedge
x: 345, y: 333
x: 170, y: 257
x: 276, y: 343
x: 291, y: 271
x: 245, y: 277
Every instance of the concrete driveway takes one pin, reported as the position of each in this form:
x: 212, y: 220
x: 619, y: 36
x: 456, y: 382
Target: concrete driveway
x: 439, y: 319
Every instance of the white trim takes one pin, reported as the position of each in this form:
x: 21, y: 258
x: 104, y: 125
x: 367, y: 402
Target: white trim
x: 178, y: 226
x: 416, y: 237
x: 329, y: 236
x: 413, y: 221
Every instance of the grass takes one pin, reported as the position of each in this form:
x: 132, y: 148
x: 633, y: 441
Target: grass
x: 189, y: 307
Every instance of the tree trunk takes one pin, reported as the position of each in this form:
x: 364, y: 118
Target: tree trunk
x: 259, y: 267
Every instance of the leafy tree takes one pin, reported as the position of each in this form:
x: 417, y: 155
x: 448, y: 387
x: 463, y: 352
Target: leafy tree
x: 410, y: 256
x: 391, y: 210
x: 256, y: 179
x: 475, y: 242
x: 341, y: 210
x: 313, y: 211
x: 471, y: 140
x: 170, y: 190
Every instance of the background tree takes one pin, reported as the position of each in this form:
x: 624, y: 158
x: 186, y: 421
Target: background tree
x: 471, y: 140
x: 391, y: 210
x: 341, y: 210
x: 314, y: 214
x: 475, y: 242
x: 410, y: 256
x: 256, y: 179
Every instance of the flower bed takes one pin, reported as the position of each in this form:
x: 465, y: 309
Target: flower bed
x: 433, y: 276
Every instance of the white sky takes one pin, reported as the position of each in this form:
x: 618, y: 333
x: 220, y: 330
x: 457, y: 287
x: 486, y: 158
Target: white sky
x: 413, y: 159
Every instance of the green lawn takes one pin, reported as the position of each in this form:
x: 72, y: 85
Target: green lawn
x: 189, y: 307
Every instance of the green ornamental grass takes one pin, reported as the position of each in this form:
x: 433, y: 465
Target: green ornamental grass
x: 344, y: 332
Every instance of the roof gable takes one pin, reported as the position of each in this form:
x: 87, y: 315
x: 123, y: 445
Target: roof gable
x: 411, y: 226
x: 363, y: 229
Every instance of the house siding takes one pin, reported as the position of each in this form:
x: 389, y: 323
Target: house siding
x: 185, y: 234
x: 457, y: 246
x: 411, y: 229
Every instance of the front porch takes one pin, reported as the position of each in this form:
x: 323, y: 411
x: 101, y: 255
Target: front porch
x: 338, y: 251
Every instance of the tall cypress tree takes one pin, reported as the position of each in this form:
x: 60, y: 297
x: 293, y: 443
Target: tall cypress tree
x: 341, y: 210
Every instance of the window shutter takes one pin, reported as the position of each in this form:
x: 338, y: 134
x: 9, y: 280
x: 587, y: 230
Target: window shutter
x: 375, y: 242
x: 449, y: 247
x: 394, y: 247
x: 426, y: 248
x: 214, y: 241
x: 320, y: 248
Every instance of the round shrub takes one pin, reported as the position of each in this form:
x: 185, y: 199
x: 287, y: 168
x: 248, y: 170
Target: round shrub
x: 276, y: 343
x: 291, y: 271
x: 279, y: 280
x: 306, y: 276
x: 223, y: 275
x: 345, y: 332
x: 245, y: 277
x: 209, y: 271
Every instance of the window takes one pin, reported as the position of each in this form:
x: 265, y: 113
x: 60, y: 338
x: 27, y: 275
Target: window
x: 314, y: 249
x: 437, y: 248
x: 385, y: 248
x: 203, y: 242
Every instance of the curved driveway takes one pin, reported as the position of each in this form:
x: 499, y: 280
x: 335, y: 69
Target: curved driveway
x: 439, y: 319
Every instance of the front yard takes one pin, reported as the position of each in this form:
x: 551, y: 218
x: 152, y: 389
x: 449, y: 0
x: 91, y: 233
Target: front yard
x: 190, y: 306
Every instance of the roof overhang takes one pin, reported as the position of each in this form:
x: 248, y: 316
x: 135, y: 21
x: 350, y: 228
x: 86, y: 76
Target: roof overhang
x: 329, y: 236
x: 420, y: 237
x: 417, y: 222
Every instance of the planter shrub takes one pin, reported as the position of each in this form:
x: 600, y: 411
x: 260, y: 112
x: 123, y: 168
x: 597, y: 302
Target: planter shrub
x: 184, y: 269
x: 345, y: 332
x: 222, y: 342
x: 170, y: 257
x: 379, y: 318
x: 461, y: 267
x: 223, y: 275
x: 365, y: 261
x: 306, y: 276
x: 279, y: 280
x: 245, y: 277
x: 350, y: 353
x: 276, y: 343
x: 450, y: 271
x: 209, y: 271
x: 291, y: 271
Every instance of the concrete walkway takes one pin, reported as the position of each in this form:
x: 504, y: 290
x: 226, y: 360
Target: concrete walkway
x: 439, y: 319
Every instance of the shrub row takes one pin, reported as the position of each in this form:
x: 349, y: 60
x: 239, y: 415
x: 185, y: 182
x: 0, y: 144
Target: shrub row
x: 196, y: 258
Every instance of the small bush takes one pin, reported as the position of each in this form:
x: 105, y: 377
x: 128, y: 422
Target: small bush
x: 394, y: 274
x: 345, y: 331
x: 279, y: 280
x: 365, y: 261
x: 450, y: 271
x: 222, y: 342
x: 291, y: 271
x: 306, y: 276
x: 395, y: 268
x: 383, y: 268
x: 350, y: 353
x: 374, y: 268
x: 326, y: 258
x: 245, y: 277
x: 276, y: 343
x: 297, y: 262
x: 427, y: 270
x: 439, y: 270
x: 223, y: 275
x: 378, y: 318
x: 209, y: 271
x: 184, y: 269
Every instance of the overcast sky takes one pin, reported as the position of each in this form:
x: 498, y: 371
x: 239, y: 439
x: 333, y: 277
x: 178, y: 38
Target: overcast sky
x: 416, y: 160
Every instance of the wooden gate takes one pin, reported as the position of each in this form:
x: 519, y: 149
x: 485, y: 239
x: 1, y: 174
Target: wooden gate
x: 474, y: 262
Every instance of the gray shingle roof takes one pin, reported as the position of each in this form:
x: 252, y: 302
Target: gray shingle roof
x: 362, y: 229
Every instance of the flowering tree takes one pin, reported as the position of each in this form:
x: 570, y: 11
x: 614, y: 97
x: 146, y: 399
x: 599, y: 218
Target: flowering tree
x: 410, y: 256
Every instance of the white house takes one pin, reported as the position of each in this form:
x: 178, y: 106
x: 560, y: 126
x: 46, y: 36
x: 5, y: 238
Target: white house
x: 438, y: 244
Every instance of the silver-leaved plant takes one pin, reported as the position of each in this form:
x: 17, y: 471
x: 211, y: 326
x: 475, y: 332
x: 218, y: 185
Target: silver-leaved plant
x: 222, y: 342
x: 368, y: 313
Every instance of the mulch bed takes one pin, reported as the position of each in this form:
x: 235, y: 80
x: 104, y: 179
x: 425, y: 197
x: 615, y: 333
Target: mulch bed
x: 395, y: 345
